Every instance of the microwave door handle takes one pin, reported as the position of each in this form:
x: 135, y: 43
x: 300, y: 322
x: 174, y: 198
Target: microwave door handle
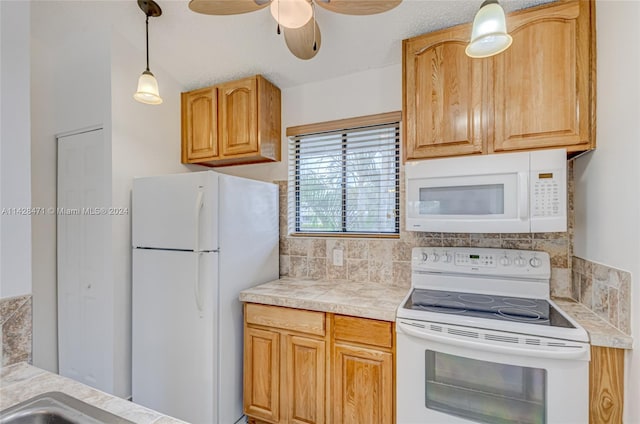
x: 523, y: 195
x: 551, y: 352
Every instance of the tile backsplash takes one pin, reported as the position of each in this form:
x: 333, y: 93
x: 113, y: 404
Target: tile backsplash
x: 16, y: 323
x: 388, y: 261
x: 604, y: 290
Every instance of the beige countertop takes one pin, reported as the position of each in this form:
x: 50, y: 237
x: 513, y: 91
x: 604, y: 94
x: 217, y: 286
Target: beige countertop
x: 601, y: 333
x: 365, y: 300
x: 22, y: 381
x: 377, y: 301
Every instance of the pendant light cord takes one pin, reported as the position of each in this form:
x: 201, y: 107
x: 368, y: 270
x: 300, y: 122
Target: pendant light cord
x: 147, y: 31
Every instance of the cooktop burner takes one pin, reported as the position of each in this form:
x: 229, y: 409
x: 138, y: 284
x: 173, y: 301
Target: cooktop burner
x: 516, y: 309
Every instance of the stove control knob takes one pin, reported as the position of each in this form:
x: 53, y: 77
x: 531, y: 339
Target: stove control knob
x: 505, y: 261
x: 425, y: 257
x: 446, y: 258
x: 535, y: 262
x: 434, y: 257
x: 520, y: 261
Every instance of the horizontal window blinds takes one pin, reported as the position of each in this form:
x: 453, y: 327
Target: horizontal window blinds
x: 345, y: 181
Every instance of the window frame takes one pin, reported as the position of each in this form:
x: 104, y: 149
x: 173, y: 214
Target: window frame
x: 349, y: 125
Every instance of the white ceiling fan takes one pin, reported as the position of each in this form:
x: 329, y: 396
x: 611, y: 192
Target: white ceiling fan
x: 296, y: 18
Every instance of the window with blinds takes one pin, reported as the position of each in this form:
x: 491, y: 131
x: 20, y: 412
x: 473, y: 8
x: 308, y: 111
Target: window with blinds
x: 346, y: 181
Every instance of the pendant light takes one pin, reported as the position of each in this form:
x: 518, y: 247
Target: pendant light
x: 291, y: 13
x: 489, y: 33
x: 147, y: 84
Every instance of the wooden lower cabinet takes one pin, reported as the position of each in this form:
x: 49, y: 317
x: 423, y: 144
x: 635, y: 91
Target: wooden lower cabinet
x: 306, y: 367
x: 362, y: 384
x: 606, y: 385
x: 305, y: 380
x: 285, y: 359
x: 262, y: 369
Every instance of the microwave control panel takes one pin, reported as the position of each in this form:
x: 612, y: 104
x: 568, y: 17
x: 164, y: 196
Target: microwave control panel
x: 546, y: 192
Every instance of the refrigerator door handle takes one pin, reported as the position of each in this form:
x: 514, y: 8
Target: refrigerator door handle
x: 196, y: 287
x: 199, y: 204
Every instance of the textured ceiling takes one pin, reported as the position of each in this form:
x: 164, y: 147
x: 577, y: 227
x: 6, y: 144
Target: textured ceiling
x: 199, y: 50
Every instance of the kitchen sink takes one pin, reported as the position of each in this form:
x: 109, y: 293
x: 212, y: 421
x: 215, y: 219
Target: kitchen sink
x: 57, y: 408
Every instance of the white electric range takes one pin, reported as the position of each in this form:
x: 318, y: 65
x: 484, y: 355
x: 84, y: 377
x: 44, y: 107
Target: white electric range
x: 479, y: 340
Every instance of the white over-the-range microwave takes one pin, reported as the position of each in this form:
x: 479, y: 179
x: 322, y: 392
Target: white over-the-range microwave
x: 523, y: 192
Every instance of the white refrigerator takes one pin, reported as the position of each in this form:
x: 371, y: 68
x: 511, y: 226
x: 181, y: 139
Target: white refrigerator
x: 198, y: 240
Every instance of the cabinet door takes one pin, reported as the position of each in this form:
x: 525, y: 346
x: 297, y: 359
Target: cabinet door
x: 442, y: 89
x: 199, y: 125
x: 305, y: 380
x: 606, y: 385
x: 262, y: 374
x: 238, y: 113
x: 542, y: 82
x: 362, y: 385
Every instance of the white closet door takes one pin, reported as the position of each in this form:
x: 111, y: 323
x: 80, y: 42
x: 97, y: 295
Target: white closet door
x: 85, y: 292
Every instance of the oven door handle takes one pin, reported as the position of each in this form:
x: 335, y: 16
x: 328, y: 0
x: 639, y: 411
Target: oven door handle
x: 551, y: 352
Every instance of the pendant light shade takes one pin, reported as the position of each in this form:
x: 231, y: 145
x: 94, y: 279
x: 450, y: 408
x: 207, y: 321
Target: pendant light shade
x: 148, y: 91
x: 291, y: 13
x: 489, y: 33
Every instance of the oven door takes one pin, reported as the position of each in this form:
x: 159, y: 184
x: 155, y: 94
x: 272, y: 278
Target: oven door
x: 451, y: 374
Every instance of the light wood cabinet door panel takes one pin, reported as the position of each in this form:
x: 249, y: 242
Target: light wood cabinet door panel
x: 305, y: 380
x: 237, y: 122
x: 199, y: 125
x: 237, y: 103
x: 606, y: 385
x: 362, y: 385
x: 310, y: 322
x: 443, y: 98
x: 541, y: 83
x: 262, y: 374
x: 363, y: 330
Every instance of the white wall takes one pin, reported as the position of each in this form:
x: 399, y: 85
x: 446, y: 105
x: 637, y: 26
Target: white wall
x: 607, y: 188
x: 364, y: 93
x: 85, y: 75
x: 70, y: 85
x: 15, y: 133
x: 145, y: 141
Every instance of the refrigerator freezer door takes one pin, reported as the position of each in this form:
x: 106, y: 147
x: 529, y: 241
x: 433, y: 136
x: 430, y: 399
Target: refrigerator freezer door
x: 176, y: 211
x: 174, y: 363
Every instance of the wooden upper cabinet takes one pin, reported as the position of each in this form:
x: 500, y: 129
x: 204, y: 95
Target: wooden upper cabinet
x: 199, y: 125
x: 443, y: 97
x: 542, y: 83
x: 244, y: 123
x: 539, y: 93
x: 238, y: 103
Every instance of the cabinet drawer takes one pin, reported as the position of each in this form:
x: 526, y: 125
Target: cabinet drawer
x: 363, y: 330
x: 309, y: 322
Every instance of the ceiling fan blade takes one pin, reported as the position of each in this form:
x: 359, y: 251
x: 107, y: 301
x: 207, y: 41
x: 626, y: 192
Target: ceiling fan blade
x: 226, y: 7
x: 358, y: 7
x: 300, y: 41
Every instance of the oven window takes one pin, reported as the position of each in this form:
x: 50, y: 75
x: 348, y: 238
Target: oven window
x: 483, y: 391
x: 486, y: 199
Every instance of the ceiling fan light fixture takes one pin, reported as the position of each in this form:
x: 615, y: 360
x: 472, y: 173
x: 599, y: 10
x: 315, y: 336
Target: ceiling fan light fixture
x: 489, y: 32
x: 291, y: 13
